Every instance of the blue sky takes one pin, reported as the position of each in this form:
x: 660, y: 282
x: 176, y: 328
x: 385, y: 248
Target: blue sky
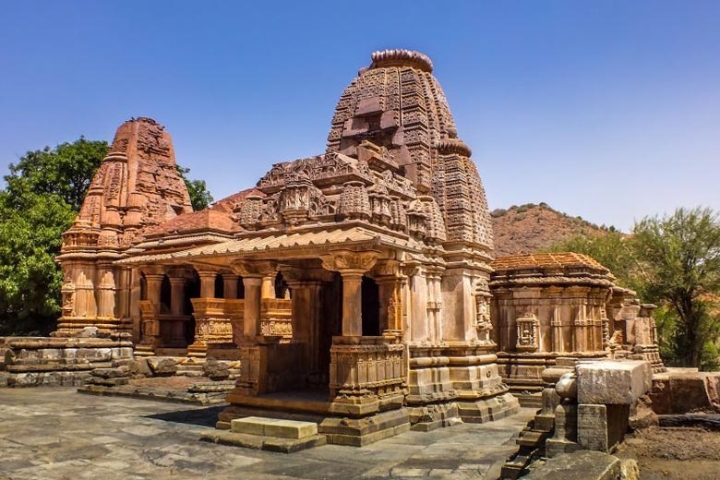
x: 605, y: 109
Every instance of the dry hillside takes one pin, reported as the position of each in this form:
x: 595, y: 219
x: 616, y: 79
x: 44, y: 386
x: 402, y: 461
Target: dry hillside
x: 529, y: 228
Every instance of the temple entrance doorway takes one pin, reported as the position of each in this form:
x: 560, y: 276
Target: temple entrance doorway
x: 192, y: 290
x: 330, y: 324
x: 165, y: 295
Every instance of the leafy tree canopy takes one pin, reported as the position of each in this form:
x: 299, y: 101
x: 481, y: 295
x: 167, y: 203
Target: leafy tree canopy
x: 200, y: 197
x: 64, y: 171
x: 681, y: 255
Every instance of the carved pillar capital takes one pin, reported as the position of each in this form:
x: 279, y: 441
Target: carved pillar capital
x: 154, y: 271
x: 254, y: 268
x: 386, y: 268
x: 154, y: 277
x: 434, y: 271
x: 294, y: 275
x: 350, y: 262
x: 177, y: 281
x: 207, y: 272
x: 182, y: 273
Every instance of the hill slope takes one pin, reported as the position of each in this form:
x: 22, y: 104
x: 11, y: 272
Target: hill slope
x: 530, y: 228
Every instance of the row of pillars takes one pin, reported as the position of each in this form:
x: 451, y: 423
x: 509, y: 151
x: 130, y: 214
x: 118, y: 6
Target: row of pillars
x: 154, y: 281
x: 259, y: 282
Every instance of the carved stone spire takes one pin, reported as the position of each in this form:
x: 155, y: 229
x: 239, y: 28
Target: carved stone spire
x: 136, y: 186
x: 398, y: 105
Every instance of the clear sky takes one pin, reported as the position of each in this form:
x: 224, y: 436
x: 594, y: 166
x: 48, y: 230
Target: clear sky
x: 605, y: 109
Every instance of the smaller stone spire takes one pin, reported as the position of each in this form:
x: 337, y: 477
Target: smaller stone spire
x: 136, y: 186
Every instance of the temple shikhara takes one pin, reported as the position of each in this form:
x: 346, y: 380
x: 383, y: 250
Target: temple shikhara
x: 357, y: 285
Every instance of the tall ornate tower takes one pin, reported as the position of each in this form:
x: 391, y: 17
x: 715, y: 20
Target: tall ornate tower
x: 137, y: 186
x: 398, y: 105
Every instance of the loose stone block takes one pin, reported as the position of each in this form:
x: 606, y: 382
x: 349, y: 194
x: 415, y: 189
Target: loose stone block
x: 162, y: 365
x: 582, y: 465
x: 613, y: 382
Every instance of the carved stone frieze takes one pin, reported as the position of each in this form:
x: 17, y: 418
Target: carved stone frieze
x: 349, y: 261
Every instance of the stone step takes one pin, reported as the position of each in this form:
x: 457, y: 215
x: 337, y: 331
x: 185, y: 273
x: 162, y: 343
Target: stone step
x: 273, y: 444
x: 273, y: 427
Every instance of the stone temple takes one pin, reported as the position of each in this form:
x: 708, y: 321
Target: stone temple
x: 356, y: 285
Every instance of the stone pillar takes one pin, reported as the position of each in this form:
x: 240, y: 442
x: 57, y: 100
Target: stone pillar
x: 405, y: 299
x: 390, y: 283
x: 230, y: 284
x: 150, y: 311
x: 175, y: 326
x: 418, y: 306
x: 154, y: 285
x: 558, y: 345
x: 434, y: 303
x: 177, y: 295
x: 352, y: 303
x: 234, y: 308
x: 253, y: 273
x: 106, y: 294
x: 251, y: 317
x: 202, y: 313
x: 207, y: 283
x: 123, y: 295
x: 268, y: 287
x: 352, y: 266
x: 581, y: 327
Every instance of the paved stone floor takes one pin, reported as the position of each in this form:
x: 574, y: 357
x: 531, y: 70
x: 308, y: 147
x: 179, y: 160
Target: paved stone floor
x: 56, y: 433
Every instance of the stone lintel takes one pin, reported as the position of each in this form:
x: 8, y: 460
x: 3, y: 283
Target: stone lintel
x: 613, y: 382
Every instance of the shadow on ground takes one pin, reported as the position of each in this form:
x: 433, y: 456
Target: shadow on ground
x: 203, y: 417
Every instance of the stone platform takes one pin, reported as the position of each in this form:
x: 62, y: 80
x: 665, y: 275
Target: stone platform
x: 53, y: 433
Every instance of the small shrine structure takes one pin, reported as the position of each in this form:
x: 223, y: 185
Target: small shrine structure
x: 551, y: 305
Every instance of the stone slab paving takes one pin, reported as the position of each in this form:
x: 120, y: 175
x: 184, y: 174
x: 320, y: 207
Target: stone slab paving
x: 56, y: 433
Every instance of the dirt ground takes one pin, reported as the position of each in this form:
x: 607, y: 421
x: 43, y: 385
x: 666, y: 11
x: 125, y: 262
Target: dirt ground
x: 674, y: 453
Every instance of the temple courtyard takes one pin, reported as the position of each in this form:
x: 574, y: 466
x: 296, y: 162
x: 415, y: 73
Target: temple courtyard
x: 56, y: 433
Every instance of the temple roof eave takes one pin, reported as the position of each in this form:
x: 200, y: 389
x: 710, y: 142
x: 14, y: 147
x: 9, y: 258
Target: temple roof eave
x: 279, y: 245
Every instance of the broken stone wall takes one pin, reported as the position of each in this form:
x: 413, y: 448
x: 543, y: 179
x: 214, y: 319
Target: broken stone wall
x: 57, y: 361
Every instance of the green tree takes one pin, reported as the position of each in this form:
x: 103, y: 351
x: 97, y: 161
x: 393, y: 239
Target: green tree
x: 64, y: 171
x: 30, y: 280
x: 681, y: 255
x: 200, y: 197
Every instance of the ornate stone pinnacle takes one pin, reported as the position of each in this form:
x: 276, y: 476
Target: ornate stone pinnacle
x: 453, y: 145
x: 401, y: 58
